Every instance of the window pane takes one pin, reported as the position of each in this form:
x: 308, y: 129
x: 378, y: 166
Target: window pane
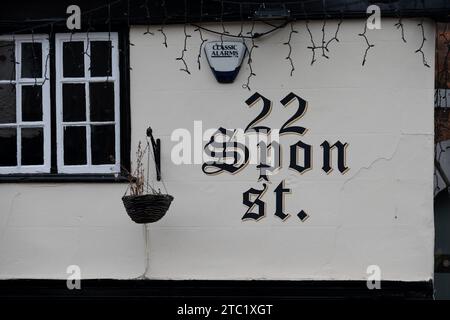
x: 100, y: 58
x: 75, y: 145
x: 7, y: 103
x: 103, y: 144
x: 102, y: 101
x: 31, y: 103
x: 8, y: 147
x: 7, y: 59
x: 32, y: 146
x: 73, y: 59
x: 74, y: 102
x: 31, y: 60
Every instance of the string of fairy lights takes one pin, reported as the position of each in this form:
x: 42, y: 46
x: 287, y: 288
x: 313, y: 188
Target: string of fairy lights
x: 425, y: 63
x: 146, y: 7
x: 399, y: 25
x: 335, y: 37
x: 185, y: 68
x: 324, y: 46
x: 320, y: 48
x: 369, y: 45
x: 288, y: 43
x: 250, y: 58
x: 202, y: 39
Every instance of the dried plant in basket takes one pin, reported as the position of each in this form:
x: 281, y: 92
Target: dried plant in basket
x: 144, y: 204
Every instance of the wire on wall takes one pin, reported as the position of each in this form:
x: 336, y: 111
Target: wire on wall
x: 241, y: 17
x: 186, y: 36
x: 34, y: 58
x: 288, y: 43
x: 163, y: 4
x: 335, y: 37
x: 324, y: 23
x: 400, y: 26
x: 47, y: 58
x: 128, y: 13
x: 88, y: 30
x: 222, y: 7
x: 369, y: 45
x: 425, y: 63
x: 147, y: 16
x: 224, y: 31
x: 250, y: 58
x: 313, y: 46
x: 202, y: 40
x: 323, y: 46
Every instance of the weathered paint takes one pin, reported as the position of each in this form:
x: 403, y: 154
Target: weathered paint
x: 380, y: 212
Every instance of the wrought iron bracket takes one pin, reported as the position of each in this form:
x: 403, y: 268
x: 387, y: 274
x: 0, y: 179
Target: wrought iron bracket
x: 156, y: 145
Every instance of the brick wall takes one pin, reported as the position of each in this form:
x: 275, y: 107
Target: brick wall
x: 442, y: 124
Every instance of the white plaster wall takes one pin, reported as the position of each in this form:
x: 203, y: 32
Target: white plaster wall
x: 380, y: 212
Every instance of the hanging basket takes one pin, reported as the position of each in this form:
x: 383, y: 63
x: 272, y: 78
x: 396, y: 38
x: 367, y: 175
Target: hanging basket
x: 147, y: 208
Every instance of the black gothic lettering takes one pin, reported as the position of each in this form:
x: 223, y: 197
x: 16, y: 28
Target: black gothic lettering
x: 302, y: 215
x: 247, y: 201
x: 267, y: 107
x: 307, y: 156
x: 263, y: 167
x: 285, y: 128
x: 327, y: 153
x: 279, y: 200
x: 215, y: 167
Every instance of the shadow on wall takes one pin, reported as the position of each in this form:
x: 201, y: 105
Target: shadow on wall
x: 442, y: 245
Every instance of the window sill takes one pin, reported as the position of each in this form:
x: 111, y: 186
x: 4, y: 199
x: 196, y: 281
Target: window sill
x: 62, y: 178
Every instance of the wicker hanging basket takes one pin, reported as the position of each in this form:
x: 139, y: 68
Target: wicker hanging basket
x: 147, y: 208
x: 145, y: 204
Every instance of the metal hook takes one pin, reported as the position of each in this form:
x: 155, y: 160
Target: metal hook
x: 156, y: 145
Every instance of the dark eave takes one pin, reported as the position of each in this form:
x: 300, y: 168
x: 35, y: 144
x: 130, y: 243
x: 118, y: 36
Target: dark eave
x: 18, y: 15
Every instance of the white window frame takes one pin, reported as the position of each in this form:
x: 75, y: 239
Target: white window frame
x: 60, y: 80
x: 19, y: 124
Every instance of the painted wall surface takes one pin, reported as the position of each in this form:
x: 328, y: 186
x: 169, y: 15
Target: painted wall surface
x: 380, y: 212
